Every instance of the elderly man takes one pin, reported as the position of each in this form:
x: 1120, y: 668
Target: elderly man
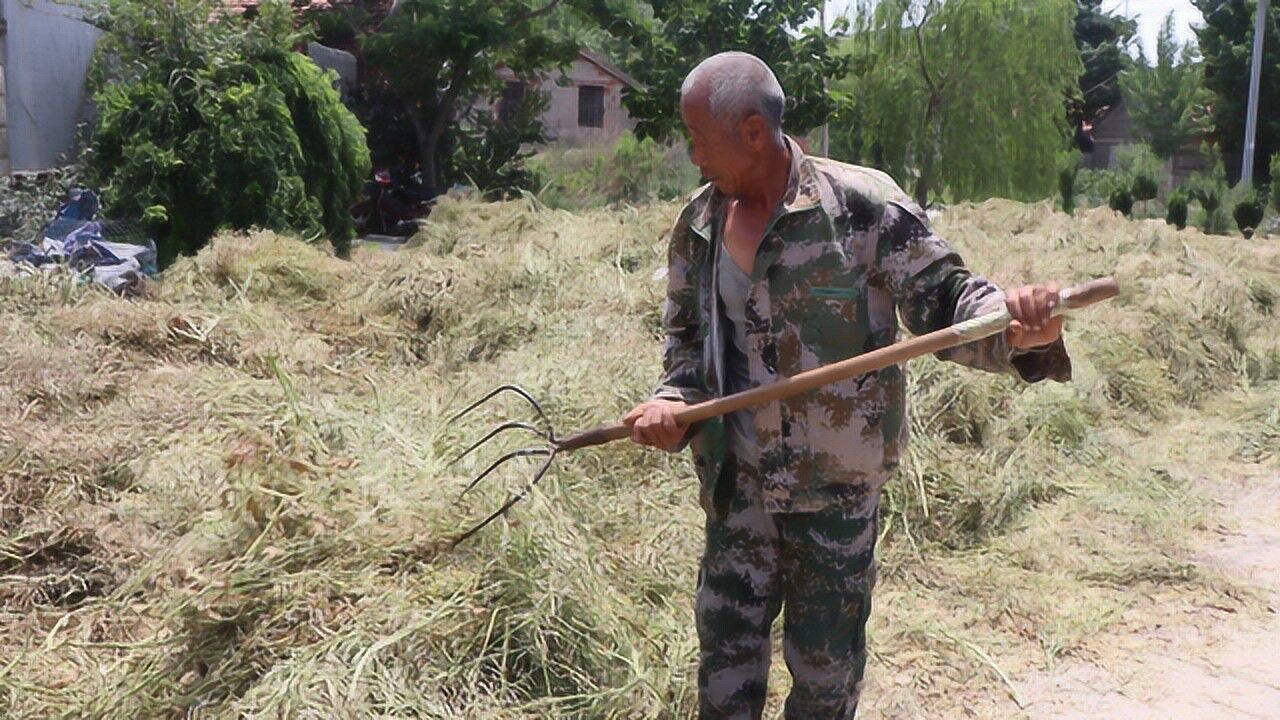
x: 780, y: 264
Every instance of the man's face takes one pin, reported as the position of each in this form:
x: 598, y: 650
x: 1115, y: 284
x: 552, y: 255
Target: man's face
x: 724, y: 159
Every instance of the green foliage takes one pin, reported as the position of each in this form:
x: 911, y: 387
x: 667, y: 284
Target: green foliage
x: 1168, y: 101
x: 1121, y: 200
x: 1138, y: 170
x: 675, y: 35
x: 1226, y: 42
x: 632, y: 171
x: 641, y: 171
x: 490, y: 153
x: 1133, y: 161
x: 1068, y: 170
x: 942, y: 104
x: 1101, y: 38
x: 1275, y: 181
x: 433, y: 58
x: 1144, y: 187
x: 203, y: 125
x: 1177, y: 209
x: 28, y: 201
x: 1095, y: 185
x: 1210, y: 189
x: 1248, y: 212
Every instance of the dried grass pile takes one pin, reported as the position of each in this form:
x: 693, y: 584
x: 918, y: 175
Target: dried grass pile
x: 226, y: 498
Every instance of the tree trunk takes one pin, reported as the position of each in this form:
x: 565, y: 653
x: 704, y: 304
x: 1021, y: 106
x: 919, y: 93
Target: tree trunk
x: 922, y: 183
x: 428, y: 137
x: 426, y: 148
x: 926, y: 155
x: 431, y: 143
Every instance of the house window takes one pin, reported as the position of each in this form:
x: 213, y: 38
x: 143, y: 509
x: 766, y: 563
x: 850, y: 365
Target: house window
x: 591, y: 106
x: 512, y: 98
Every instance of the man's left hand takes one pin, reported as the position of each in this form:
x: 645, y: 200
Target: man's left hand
x: 1030, y: 306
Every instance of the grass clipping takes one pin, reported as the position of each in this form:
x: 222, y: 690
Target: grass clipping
x: 226, y: 498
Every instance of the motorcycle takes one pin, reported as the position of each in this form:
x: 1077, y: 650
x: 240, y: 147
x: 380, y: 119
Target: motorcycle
x: 392, y: 207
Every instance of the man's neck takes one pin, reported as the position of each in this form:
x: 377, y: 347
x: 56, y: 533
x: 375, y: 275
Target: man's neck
x: 775, y: 175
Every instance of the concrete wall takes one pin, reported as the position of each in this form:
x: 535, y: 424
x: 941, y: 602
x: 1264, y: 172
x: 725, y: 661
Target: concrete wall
x: 46, y: 53
x: 4, y: 119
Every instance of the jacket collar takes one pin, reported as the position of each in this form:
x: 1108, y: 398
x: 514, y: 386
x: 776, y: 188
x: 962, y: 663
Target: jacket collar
x: 803, y: 193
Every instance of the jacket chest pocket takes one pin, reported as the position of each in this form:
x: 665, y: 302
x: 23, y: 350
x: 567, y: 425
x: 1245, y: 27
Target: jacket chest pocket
x: 834, y: 320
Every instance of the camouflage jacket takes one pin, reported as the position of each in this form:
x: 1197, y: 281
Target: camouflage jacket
x: 846, y: 248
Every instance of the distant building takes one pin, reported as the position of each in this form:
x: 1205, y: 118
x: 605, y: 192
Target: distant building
x: 1114, y: 128
x: 584, y: 103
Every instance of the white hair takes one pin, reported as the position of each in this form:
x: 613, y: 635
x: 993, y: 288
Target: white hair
x: 738, y: 84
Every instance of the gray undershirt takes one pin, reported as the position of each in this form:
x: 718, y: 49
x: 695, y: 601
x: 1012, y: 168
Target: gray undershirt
x: 734, y: 287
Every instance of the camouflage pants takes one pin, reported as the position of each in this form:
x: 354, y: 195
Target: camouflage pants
x: 821, y: 567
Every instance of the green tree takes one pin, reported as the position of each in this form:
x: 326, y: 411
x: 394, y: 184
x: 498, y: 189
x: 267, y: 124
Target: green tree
x: 1248, y: 212
x: 1101, y: 38
x: 1168, y: 101
x: 946, y: 103
x: 1177, y: 206
x: 672, y: 36
x: 203, y: 125
x: 489, y: 152
x: 1226, y: 41
x: 434, y: 59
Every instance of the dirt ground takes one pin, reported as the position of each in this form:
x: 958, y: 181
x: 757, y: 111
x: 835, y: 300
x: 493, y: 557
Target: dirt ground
x: 1204, y: 661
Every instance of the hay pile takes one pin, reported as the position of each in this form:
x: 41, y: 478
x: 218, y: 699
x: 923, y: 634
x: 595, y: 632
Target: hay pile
x: 227, y: 498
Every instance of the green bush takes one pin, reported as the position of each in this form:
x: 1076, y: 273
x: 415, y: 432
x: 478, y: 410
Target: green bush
x: 1248, y: 212
x: 1275, y: 181
x: 1068, y: 170
x: 1096, y: 185
x: 1139, y: 170
x: 1132, y: 161
x: 1121, y: 200
x: 1210, y: 189
x: 630, y: 171
x: 28, y: 201
x: 1144, y: 187
x: 203, y: 125
x: 490, y: 152
x: 1177, y: 215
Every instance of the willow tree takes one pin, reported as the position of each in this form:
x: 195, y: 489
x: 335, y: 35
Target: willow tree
x: 966, y: 94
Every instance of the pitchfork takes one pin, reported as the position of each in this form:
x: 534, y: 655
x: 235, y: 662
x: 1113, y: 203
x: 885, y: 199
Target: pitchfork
x: 1072, y: 298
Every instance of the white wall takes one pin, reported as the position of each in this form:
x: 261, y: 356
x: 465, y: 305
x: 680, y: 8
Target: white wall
x: 561, y: 116
x: 4, y: 124
x: 46, y: 56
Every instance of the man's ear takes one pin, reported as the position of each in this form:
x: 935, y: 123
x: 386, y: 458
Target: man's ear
x: 754, y: 131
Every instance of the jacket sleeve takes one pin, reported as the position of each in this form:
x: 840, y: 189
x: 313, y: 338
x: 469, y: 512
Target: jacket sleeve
x: 682, y: 376
x: 933, y: 290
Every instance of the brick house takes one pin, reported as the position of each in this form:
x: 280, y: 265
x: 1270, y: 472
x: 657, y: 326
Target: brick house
x: 584, y: 102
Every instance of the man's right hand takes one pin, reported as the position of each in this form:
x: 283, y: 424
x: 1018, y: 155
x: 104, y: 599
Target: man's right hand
x: 654, y: 423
